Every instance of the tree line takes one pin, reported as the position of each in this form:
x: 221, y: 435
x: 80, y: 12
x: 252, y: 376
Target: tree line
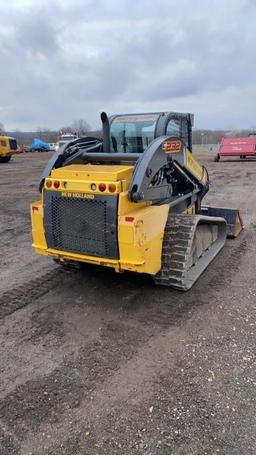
x: 82, y: 128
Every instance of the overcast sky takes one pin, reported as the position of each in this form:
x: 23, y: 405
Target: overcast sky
x: 63, y: 60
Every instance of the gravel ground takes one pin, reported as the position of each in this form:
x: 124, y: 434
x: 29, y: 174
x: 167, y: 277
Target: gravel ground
x: 98, y: 363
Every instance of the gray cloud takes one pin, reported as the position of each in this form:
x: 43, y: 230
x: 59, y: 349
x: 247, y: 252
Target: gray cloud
x: 62, y: 60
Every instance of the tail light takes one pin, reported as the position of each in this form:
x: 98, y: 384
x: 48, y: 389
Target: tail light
x: 102, y: 187
x: 130, y: 219
x: 48, y: 183
x: 111, y: 188
x: 56, y: 184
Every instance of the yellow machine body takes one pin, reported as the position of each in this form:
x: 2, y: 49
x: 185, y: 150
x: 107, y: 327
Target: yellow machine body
x: 140, y: 226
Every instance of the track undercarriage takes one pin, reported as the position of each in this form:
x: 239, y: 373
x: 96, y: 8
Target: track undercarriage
x: 190, y: 243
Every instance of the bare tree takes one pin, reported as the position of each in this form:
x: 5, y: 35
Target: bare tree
x: 67, y: 129
x: 2, y: 128
x: 81, y: 126
x: 18, y: 136
x: 46, y: 134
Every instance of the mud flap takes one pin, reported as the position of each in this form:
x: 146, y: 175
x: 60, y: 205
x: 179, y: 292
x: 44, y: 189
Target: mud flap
x: 232, y: 217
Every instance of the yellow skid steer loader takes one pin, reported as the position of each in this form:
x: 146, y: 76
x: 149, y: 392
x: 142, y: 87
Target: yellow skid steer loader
x: 132, y: 201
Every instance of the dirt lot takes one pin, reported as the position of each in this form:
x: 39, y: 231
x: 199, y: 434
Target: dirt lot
x: 98, y: 363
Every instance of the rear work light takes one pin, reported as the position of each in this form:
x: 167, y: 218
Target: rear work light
x: 48, y: 183
x: 56, y: 184
x: 111, y: 188
x: 102, y: 187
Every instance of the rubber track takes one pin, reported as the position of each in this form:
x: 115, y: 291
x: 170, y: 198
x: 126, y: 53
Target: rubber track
x: 178, y: 239
x: 25, y: 294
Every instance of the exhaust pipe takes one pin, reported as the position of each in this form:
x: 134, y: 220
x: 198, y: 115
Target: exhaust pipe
x: 106, y: 132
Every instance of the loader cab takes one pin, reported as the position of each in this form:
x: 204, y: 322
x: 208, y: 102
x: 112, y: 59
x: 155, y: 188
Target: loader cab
x: 133, y: 133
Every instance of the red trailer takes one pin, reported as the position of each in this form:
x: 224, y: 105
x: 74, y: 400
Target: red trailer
x: 237, y: 146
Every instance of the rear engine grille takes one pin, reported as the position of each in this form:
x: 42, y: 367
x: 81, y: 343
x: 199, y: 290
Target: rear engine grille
x: 79, y: 225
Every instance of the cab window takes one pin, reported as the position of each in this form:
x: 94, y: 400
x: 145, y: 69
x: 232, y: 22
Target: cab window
x: 132, y: 134
x: 13, y: 144
x: 173, y: 128
x: 178, y: 127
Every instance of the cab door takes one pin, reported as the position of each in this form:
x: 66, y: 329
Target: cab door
x: 180, y: 126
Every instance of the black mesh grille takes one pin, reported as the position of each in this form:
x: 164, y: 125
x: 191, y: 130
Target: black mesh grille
x: 79, y: 225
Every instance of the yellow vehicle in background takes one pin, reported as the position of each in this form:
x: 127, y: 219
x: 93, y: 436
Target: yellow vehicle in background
x: 8, y: 147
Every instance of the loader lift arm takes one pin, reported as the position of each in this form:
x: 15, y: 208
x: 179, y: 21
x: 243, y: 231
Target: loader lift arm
x: 69, y: 153
x: 142, y: 129
x: 159, y: 176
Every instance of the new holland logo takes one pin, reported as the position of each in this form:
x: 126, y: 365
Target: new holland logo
x: 77, y: 195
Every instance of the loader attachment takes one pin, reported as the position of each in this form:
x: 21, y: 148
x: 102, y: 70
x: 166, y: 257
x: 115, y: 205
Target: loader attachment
x: 232, y: 217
